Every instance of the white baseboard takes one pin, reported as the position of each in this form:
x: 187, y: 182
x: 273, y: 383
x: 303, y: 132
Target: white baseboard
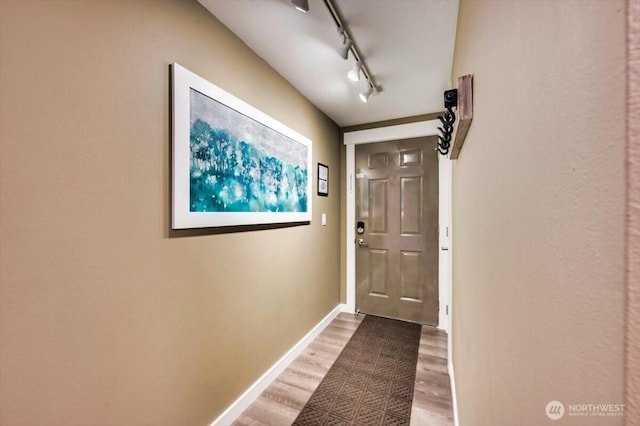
x: 454, y: 399
x: 251, y: 394
x: 345, y: 308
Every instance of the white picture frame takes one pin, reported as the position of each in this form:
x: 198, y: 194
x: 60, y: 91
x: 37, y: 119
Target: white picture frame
x: 232, y: 164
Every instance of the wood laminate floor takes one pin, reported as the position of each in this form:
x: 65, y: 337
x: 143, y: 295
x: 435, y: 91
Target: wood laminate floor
x: 281, y: 402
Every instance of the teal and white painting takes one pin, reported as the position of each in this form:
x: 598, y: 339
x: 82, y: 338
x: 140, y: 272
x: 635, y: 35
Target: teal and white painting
x: 241, y: 165
x: 232, y: 164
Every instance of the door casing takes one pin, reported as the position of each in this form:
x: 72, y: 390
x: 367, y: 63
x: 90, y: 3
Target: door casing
x: 382, y: 134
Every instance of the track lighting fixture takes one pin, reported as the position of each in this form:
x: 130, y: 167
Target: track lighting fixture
x: 354, y: 74
x: 301, y: 5
x: 360, y: 70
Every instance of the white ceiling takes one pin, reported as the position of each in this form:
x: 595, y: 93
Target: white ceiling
x: 406, y: 44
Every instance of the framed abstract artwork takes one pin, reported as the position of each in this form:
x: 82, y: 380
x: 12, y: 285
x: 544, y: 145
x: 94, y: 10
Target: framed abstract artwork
x: 233, y: 164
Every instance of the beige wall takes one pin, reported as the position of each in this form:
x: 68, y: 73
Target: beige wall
x: 632, y: 317
x: 107, y: 318
x: 538, y: 211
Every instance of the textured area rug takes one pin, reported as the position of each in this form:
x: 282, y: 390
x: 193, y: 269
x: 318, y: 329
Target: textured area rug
x: 371, y: 382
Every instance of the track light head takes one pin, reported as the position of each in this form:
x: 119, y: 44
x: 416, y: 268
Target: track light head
x: 346, y: 43
x: 354, y: 74
x: 344, y: 50
x: 364, y: 96
x: 373, y: 90
x: 301, y: 5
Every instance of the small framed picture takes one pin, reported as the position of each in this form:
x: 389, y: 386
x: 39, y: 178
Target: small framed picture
x: 323, y: 180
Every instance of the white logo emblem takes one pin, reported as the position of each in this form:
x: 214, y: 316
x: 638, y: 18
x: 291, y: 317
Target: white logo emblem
x: 554, y: 410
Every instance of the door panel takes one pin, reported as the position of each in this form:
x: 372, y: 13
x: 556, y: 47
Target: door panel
x: 411, y: 205
x: 411, y: 276
x: 397, y: 254
x: 378, y: 205
x: 379, y: 272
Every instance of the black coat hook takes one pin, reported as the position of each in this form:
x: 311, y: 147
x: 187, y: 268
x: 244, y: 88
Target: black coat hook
x: 447, y: 120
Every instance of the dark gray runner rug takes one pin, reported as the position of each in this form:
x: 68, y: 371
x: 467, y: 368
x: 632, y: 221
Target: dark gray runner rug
x: 371, y: 382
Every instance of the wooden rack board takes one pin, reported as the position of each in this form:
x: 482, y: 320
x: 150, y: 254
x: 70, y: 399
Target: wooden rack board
x: 465, y: 112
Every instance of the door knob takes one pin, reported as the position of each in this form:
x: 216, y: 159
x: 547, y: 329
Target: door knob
x: 362, y: 243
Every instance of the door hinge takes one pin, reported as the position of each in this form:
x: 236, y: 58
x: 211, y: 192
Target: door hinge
x: 447, y: 310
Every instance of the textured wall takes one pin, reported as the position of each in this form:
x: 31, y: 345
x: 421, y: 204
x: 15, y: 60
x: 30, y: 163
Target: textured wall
x: 106, y: 317
x: 632, y: 323
x: 538, y: 211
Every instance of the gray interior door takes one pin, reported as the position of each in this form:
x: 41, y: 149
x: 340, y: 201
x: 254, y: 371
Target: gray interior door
x: 397, y: 239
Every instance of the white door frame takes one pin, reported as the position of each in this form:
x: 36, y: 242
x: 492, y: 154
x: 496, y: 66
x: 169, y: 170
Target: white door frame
x: 382, y: 134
